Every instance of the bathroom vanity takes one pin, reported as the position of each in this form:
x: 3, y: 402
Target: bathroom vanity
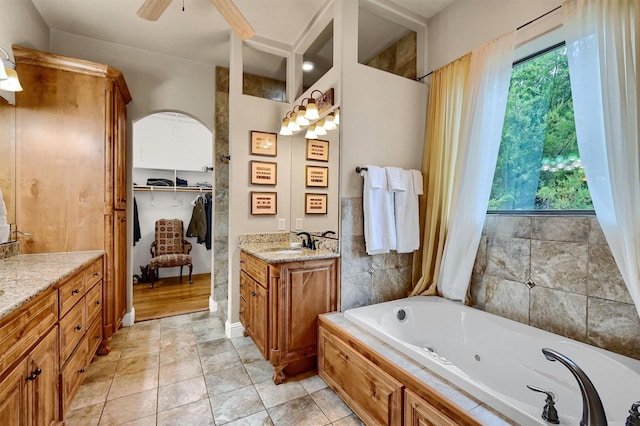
x: 282, y: 292
x: 50, y: 329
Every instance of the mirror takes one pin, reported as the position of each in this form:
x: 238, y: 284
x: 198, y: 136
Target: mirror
x: 7, y: 171
x: 315, y: 207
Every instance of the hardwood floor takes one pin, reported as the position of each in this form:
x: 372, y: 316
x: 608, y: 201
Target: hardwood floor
x: 168, y: 297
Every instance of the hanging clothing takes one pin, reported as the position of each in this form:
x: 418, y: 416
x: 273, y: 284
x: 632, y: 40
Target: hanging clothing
x: 208, y: 209
x: 198, y: 224
x: 137, y: 235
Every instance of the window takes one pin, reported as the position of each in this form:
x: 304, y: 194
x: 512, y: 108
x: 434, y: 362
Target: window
x: 539, y: 165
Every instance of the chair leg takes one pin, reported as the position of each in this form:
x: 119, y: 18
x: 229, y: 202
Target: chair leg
x: 181, y: 274
x: 152, y: 273
x: 190, y: 270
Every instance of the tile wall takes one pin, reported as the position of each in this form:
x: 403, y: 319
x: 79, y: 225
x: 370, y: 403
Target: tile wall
x: 576, y: 288
x: 399, y: 58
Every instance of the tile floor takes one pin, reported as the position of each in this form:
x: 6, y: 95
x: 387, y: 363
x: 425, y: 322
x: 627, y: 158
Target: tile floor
x: 182, y: 370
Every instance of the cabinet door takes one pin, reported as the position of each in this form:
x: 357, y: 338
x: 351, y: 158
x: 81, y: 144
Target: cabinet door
x: 120, y: 267
x: 119, y: 152
x: 372, y: 394
x: 246, y: 286
x: 307, y: 290
x: 13, y: 397
x: 43, y: 379
x: 418, y: 412
x: 259, y: 317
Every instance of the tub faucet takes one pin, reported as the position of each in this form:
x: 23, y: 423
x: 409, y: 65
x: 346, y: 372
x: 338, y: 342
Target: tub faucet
x: 592, y: 409
x: 634, y: 415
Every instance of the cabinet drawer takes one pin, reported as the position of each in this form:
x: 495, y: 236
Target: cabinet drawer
x: 71, y: 292
x: 72, y: 329
x: 417, y: 411
x: 94, y: 336
x: 374, y: 395
x: 93, y: 299
x: 72, y: 375
x: 93, y: 273
x: 257, y: 269
x: 21, y: 329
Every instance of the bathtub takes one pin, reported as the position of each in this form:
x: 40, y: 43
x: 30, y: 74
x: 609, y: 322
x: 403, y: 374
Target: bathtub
x: 493, y: 358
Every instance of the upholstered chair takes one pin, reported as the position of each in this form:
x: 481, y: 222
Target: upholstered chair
x: 170, y: 248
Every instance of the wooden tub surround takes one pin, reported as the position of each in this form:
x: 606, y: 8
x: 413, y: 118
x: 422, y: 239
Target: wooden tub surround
x: 384, y: 387
x: 50, y: 329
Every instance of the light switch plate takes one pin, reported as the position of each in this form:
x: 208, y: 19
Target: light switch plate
x: 282, y: 224
x: 298, y: 224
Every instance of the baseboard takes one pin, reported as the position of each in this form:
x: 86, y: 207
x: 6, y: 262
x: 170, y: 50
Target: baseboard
x: 234, y: 329
x: 129, y: 318
x: 213, y: 305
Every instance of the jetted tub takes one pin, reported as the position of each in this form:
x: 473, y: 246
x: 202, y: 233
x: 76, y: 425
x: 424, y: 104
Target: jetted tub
x: 494, y: 359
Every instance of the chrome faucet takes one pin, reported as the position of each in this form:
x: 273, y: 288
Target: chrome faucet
x: 592, y: 409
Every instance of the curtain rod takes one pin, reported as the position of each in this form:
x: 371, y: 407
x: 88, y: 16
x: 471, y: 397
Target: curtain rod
x: 517, y: 29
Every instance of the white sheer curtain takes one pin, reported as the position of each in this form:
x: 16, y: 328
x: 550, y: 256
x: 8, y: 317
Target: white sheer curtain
x: 602, y: 47
x: 482, y: 121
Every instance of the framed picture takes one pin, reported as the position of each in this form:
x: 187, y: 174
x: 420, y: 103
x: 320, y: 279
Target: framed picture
x: 264, y: 143
x: 264, y: 173
x: 315, y: 203
x: 317, y: 150
x: 264, y: 203
x: 317, y: 176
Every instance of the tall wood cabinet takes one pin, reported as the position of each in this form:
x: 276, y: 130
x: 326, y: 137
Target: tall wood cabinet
x: 71, y: 165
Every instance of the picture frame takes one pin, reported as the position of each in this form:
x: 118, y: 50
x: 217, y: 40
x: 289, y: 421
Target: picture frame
x: 264, y: 143
x: 315, y: 203
x: 317, y: 150
x: 263, y: 172
x: 317, y: 176
x: 264, y: 203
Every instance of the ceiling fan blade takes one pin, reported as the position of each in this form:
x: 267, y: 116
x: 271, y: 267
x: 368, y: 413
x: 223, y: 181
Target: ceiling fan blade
x: 234, y: 18
x: 151, y: 10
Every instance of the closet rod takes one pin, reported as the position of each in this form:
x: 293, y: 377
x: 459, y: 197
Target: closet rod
x: 517, y: 29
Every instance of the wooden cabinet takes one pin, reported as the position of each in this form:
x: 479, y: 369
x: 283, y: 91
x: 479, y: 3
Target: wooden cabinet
x: 71, y: 164
x: 378, y: 390
x: 280, y: 304
x: 372, y: 394
x: 13, y: 396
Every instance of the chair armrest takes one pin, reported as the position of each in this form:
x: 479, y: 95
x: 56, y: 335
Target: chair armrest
x: 151, y: 249
x: 186, y: 247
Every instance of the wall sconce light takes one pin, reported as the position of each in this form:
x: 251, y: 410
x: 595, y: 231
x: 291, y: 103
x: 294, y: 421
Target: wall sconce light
x: 284, y: 130
x: 301, y: 119
x: 8, y: 75
x: 311, y: 132
x: 329, y: 121
x: 308, y: 114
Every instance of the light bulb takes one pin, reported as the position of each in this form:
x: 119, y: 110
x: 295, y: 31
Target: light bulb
x: 284, y: 130
x: 301, y: 120
x: 320, y: 130
x: 311, y: 132
x: 312, y: 110
x: 293, y: 126
x: 329, y: 123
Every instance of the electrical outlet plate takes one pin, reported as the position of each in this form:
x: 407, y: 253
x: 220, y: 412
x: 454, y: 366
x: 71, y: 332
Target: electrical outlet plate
x: 298, y: 224
x: 282, y: 224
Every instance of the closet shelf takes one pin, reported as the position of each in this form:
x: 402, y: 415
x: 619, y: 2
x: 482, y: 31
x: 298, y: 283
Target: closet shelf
x: 171, y: 188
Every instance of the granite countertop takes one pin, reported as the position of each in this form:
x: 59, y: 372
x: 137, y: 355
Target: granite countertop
x: 25, y: 276
x: 476, y: 409
x: 284, y: 252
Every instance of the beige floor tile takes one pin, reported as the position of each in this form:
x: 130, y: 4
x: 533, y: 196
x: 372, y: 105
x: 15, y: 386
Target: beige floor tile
x: 227, y: 380
x: 144, y: 333
x: 129, y: 384
x: 86, y: 416
x: 236, y: 404
x: 137, y: 364
x: 351, y: 420
x: 142, y: 340
x: 179, y: 371
x: 145, y: 421
x: 259, y: 419
x: 213, y: 347
x: 171, y: 355
x: 181, y: 393
x: 240, y: 342
x: 100, y: 370
x: 177, y: 340
x: 330, y: 404
x: 129, y: 408
x: 249, y: 353
x: 259, y: 371
x: 196, y: 413
x: 272, y: 394
x: 91, y: 394
x: 148, y: 347
x: 300, y: 411
x: 220, y: 361
x: 313, y: 383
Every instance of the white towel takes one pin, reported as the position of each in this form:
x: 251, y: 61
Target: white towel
x: 377, y: 203
x: 407, y: 218
x: 418, y: 185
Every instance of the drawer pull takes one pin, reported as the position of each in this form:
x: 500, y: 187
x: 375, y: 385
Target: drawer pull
x: 78, y: 327
x: 34, y: 374
x: 343, y: 355
x: 97, y: 302
x: 76, y: 291
x: 82, y: 370
x: 96, y: 274
x: 98, y: 337
x: 253, y: 293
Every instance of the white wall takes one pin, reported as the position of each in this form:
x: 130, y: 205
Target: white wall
x: 465, y: 25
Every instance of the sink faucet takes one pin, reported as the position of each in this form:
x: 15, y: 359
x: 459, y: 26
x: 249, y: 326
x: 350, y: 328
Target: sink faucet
x: 325, y: 233
x: 310, y: 243
x: 592, y: 409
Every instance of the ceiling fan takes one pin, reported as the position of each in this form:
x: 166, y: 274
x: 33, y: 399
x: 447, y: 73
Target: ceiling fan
x: 151, y: 10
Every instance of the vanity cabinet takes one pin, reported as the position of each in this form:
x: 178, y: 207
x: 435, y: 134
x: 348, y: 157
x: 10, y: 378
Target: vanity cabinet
x: 71, y: 165
x: 280, y: 304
